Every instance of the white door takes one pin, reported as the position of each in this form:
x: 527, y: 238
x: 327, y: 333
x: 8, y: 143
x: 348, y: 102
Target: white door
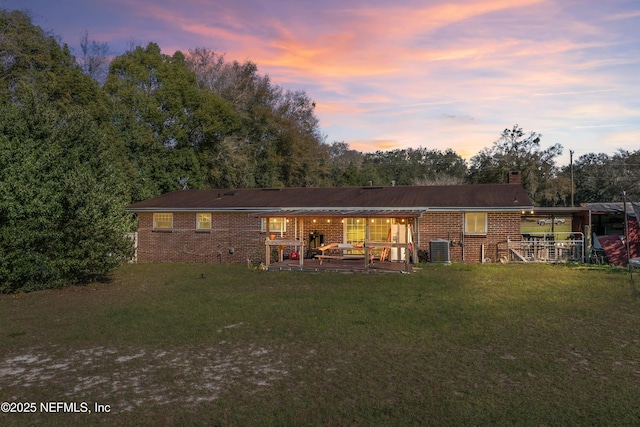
x: 398, y: 235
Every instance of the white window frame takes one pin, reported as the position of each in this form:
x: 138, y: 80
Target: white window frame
x: 276, y: 225
x: 354, y: 230
x: 476, y: 220
x: 160, y: 223
x: 199, y: 221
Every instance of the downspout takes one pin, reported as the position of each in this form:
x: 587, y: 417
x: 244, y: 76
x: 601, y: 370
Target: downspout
x: 416, y: 234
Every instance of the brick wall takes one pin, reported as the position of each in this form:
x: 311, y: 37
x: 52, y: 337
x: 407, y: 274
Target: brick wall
x: 330, y: 228
x: 442, y: 225
x: 233, y: 238
x: 468, y: 248
x: 236, y: 237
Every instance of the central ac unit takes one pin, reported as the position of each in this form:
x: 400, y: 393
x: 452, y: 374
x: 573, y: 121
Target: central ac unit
x: 439, y: 251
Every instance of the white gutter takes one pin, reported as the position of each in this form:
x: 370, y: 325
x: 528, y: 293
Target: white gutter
x: 333, y: 208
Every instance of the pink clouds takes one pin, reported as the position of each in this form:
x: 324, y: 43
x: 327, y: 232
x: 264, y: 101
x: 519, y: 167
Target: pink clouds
x: 375, y: 145
x: 435, y: 73
x: 356, y: 43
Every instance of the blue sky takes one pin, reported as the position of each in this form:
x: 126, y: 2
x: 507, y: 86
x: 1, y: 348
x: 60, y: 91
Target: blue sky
x: 408, y: 73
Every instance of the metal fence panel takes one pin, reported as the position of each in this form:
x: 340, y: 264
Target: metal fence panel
x: 546, y: 247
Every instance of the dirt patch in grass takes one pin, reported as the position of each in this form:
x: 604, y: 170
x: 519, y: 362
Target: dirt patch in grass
x: 133, y: 378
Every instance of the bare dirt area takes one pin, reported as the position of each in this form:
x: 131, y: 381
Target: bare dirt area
x: 128, y: 379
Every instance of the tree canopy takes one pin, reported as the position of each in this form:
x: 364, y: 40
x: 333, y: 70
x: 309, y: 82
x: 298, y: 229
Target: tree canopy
x: 62, y: 190
x: 517, y: 151
x: 62, y: 198
x: 599, y: 177
x: 171, y: 128
x: 279, y: 142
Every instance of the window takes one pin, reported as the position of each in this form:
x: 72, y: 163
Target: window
x: 276, y: 225
x: 355, y: 232
x: 203, y: 221
x: 162, y: 221
x: 380, y: 229
x: 475, y: 223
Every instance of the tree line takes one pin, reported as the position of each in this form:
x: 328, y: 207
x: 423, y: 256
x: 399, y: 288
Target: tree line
x: 83, y: 136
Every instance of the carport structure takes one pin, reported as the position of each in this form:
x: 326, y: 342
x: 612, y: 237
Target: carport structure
x: 551, y: 235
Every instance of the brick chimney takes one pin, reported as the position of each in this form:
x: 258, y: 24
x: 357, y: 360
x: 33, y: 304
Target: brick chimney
x: 514, y: 177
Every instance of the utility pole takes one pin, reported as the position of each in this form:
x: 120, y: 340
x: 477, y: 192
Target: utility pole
x: 571, y: 163
x: 626, y: 231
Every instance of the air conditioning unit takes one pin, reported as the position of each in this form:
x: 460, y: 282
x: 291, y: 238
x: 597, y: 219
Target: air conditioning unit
x: 439, y: 251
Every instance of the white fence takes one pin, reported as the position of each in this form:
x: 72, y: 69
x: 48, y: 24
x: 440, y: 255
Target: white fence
x: 546, y: 247
x: 134, y: 236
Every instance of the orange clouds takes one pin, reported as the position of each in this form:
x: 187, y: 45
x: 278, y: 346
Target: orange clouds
x: 428, y: 73
x: 374, y: 145
x: 340, y: 42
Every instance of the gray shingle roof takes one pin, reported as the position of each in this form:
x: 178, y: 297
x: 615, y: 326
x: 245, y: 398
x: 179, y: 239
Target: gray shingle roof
x: 452, y: 197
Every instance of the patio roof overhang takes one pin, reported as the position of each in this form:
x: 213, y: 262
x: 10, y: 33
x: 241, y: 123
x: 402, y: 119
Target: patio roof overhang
x: 342, y: 213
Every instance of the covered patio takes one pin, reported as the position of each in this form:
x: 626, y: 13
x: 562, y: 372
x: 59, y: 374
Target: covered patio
x: 383, y: 241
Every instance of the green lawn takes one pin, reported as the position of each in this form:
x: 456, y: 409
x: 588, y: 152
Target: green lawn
x: 526, y: 345
x: 532, y: 227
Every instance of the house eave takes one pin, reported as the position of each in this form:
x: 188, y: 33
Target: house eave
x: 345, y: 212
x: 337, y: 211
x: 199, y: 209
x: 482, y: 209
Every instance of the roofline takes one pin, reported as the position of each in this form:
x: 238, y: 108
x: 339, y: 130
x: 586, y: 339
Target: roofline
x: 333, y: 209
x: 230, y: 210
x: 560, y: 209
x: 482, y: 209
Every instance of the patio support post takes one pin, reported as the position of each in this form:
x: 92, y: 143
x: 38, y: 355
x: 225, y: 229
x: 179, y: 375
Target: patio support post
x: 406, y: 246
x: 302, y: 239
x: 267, y: 258
x: 366, y: 245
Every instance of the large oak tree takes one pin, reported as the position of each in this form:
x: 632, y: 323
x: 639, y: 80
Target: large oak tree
x: 516, y: 150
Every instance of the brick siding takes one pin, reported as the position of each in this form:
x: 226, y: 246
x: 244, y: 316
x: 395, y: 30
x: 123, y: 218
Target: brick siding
x: 232, y: 238
x: 236, y: 237
x: 468, y: 248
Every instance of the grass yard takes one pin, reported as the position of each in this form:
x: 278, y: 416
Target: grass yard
x: 531, y: 226
x: 526, y: 345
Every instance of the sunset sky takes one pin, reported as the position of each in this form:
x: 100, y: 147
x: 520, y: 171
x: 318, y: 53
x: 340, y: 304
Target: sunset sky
x: 407, y: 73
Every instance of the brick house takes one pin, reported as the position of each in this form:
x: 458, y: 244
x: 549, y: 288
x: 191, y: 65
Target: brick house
x: 472, y: 222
